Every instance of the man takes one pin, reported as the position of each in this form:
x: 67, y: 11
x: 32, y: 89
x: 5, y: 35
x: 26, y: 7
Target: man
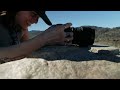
x: 14, y: 40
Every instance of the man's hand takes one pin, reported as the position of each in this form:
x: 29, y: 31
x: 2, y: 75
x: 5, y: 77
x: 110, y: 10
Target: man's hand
x: 56, y: 35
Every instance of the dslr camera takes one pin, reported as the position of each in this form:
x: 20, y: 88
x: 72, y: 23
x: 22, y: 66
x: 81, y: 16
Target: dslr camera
x: 83, y: 36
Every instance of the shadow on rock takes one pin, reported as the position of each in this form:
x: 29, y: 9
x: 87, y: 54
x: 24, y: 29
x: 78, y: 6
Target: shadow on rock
x: 74, y: 53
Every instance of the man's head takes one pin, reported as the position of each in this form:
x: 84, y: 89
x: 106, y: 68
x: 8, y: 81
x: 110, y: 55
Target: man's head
x: 26, y: 18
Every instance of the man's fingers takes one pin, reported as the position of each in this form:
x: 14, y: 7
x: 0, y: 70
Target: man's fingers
x: 68, y: 39
x: 67, y: 25
x: 68, y: 34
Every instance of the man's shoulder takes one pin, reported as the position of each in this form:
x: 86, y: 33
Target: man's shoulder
x: 4, y: 33
x: 5, y: 39
x: 2, y: 26
x: 3, y: 29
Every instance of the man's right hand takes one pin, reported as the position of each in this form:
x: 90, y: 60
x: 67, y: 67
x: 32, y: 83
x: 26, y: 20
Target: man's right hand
x: 56, y: 35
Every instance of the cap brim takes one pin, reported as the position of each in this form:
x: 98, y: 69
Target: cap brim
x: 46, y: 19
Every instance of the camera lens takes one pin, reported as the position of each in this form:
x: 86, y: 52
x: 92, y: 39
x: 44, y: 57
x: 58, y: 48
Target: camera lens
x: 83, y: 36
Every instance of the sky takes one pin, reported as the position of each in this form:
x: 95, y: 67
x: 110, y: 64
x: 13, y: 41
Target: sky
x: 108, y: 19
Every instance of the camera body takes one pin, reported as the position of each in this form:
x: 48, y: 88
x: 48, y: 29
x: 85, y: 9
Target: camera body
x: 83, y: 36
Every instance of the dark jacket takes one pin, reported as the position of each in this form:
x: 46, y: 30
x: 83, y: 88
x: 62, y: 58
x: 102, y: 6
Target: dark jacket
x: 9, y: 36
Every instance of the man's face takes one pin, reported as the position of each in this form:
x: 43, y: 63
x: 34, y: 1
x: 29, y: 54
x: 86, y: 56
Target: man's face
x: 26, y: 18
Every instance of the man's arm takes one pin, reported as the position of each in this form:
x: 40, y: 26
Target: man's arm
x: 25, y: 35
x: 52, y: 34
x: 23, y: 49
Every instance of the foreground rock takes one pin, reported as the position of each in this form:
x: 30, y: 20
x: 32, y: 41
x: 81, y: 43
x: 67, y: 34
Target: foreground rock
x: 62, y: 62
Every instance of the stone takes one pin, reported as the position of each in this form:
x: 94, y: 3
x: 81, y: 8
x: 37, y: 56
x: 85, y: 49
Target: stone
x: 65, y: 62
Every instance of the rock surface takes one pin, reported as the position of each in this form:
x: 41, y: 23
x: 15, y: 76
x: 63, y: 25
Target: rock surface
x: 63, y: 62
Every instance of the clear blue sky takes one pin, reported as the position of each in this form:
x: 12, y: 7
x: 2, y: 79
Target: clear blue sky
x: 78, y: 18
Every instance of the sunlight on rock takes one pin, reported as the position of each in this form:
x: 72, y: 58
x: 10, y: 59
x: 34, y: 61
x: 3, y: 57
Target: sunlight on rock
x: 62, y: 62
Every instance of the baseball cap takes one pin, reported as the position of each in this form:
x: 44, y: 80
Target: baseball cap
x: 45, y: 18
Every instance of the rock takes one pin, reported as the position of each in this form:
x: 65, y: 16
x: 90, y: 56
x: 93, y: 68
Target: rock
x: 42, y: 69
x: 63, y: 62
x: 105, y: 49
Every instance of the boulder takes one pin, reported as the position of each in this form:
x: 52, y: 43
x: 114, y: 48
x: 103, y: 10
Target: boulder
x: 65, y: 62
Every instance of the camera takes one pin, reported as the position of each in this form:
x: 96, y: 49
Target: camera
x: 83, y: 36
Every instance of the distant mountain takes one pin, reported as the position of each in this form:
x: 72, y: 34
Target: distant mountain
x: 100, y: 31
x: 34, y: 33
x: 102, y: 34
